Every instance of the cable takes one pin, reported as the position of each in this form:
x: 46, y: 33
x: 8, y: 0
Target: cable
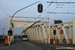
x: 63, y: 2
x: 68, y: 7
x: 31, y: 25
x: 49, y: 14
x: 20, y: 10
x: 45, y: 9
x: 57, y: 4
x: 56, y: 1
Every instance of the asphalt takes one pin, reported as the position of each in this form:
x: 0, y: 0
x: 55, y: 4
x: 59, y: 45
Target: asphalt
x: 54, y: 47
x: 26, y: 45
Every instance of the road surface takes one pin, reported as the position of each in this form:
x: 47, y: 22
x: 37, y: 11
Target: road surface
x: 24, y: 45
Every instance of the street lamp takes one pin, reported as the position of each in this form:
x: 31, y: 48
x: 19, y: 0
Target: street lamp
x: 40, y: 9
x: 3, y: 33
x: 4, y: 28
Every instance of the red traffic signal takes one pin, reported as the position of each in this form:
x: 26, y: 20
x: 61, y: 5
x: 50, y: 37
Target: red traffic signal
x: 40, y: 8
x: 54, y: 32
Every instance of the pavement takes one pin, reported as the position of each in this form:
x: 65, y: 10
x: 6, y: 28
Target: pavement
x: 26, y: 45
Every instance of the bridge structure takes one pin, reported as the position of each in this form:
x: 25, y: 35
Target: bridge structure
x: 42, y: 32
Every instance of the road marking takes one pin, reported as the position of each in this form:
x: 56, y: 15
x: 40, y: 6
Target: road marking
x: 33, y: 45
x: 30, y: 44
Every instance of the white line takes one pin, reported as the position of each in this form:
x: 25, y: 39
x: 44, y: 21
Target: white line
x: 30, y: 44
x: 33, y: 45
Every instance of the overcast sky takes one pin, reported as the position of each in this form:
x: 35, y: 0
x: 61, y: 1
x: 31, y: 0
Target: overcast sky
x: 8, y: 7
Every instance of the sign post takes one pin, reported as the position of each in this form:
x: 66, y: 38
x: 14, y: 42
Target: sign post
x: 61, y: 32
x: 9, y: 34
x: 54, y: 32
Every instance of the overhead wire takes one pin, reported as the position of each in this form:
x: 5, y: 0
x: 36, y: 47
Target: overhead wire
x: 45, y: 9
x: 68, y: 6
x: 50, y: 13
x: 56, y: 7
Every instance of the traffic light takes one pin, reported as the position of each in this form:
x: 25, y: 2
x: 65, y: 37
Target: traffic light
x: 54, y: 32
x: 10, y: 32
x: 40, y: 8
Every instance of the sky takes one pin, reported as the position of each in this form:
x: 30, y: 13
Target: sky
x: 8, y: 7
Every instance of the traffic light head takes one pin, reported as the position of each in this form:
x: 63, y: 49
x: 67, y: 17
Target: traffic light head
x: 54, y: 32
x: 40, y: 8
x: 10, y: 32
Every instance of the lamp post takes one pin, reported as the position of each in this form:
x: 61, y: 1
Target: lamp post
x: 39, y: 10
x: 4, y: 28
x: 40, y: 7
x: 3, y: 33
